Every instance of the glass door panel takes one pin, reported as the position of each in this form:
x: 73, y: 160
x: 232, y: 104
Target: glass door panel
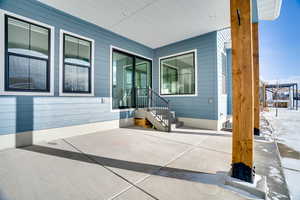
x: 122, y: 85
x: 142, y: 73
x: 142, y: 80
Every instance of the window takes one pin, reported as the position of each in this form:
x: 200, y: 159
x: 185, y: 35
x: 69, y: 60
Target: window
x: 77, y: 64
x: 27, y: 56
x: 177, y: 75
x: 224, y: 76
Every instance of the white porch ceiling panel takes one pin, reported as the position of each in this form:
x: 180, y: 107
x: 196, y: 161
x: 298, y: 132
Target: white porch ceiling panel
x: 154, y: 23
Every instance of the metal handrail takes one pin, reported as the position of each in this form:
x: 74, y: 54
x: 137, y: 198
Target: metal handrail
x: 160, y: 107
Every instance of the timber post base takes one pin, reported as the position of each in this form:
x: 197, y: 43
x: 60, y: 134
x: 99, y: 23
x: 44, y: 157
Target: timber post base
x: 243, y: 172
x: 256, y: 131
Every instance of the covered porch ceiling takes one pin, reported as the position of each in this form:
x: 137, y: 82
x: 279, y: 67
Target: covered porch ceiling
x: 156, y: 23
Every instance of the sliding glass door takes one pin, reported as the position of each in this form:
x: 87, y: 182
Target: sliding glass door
x: 128, y: 73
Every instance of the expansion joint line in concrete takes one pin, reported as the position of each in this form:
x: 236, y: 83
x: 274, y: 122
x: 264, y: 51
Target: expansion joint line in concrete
x: 189, y: 149
x: 110, y: 170
x: 148, y: 176
x: 184, y: 143
x: 291, y: 169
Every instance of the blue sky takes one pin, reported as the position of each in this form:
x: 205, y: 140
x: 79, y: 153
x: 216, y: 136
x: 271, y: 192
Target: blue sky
x: 280, y: 44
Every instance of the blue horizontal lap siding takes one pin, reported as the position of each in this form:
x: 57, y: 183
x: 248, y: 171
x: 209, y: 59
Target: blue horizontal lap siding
x: 229, y: 82
x: 30, y: 113
x: 22, y: 113
x: 223, y: 36
x: 198, y: 106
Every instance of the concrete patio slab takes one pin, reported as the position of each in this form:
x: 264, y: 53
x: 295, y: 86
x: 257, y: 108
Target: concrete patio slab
x: 128, y: 164
x: 204, y: 161
x: 54, y: 170
x: 218, y: 142
x: 167, y: 184
x: 181, y: 135
x: 131, y: 154
x: 134, y: 193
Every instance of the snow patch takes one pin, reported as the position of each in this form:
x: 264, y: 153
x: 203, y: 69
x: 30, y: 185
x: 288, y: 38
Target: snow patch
x: 275, y: 174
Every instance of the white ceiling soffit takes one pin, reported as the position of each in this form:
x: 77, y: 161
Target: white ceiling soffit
x: 155, y: 23
x: 269, y: 9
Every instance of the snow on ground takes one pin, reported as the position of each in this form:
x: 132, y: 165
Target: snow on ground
x: 275, y: 173
x: 285, y: 129
x: 291, y: 163
x: 286, y: 126
x: 293, y: 183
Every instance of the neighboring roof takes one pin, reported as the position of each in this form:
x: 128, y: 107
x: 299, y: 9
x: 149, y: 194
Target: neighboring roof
x: 283, y: 85
x: 156, y: 23
x: 269, y: 9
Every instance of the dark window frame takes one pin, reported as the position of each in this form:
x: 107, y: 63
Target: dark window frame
x: 77, y: 65
x: 134, y: 57
x: 134, y: 62
x: 160, y: 74
x: 7, y: 54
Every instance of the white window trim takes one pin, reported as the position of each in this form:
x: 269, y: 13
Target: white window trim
x: 223, y: 53
x: 196, y: 74
x: 110, y: 74
x: 2, y: 56
x: 61, y: 63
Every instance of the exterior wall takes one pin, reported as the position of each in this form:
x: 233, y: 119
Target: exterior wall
x: 205, y: 104
x: 223, y: 37
x: 26, y: 113
x: 33, y: 114
x: 229, y: 82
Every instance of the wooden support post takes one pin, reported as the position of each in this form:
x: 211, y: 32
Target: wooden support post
x: 242, y: 79
x: 255, y: 45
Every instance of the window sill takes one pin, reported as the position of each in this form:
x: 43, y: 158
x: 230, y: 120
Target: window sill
x: 76, y: 95
x: 122, y: 110
x: 178, y: 95
x: 15, y: 93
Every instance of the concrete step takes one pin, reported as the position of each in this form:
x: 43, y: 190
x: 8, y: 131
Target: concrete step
x: 159, y: 121
x: 158, y: 118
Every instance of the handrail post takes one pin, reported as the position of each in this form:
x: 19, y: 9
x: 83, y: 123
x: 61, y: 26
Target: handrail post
x: 135, y: 96
x: 148, y: 97
x: 169, y: 116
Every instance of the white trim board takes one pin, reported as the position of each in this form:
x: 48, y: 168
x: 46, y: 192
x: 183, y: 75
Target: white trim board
x: 110, y: 73
x: 2, y: 55
x: 200, y: 123
x: 32, y: 137
x: 61, y: 41
x: 196, y: 73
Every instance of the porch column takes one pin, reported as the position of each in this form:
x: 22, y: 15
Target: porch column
x: 243, y: 100
x: 255, y: 43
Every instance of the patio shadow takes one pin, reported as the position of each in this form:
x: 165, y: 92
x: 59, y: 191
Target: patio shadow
x: 186, y: 130
x: 170, y: 172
